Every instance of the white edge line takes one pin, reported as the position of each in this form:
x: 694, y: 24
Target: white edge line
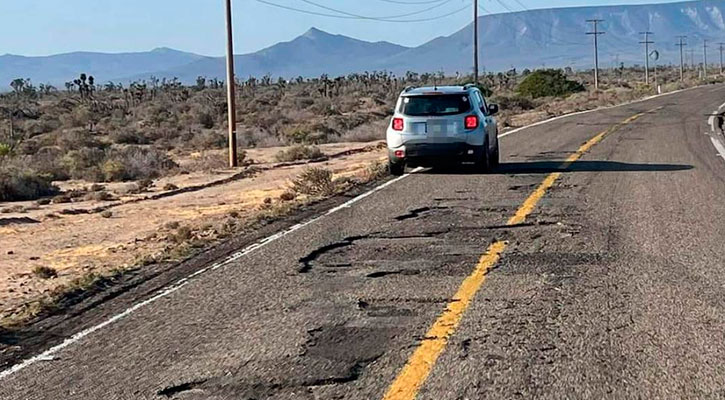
x: 48, y: 354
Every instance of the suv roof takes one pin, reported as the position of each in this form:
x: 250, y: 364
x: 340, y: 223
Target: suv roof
x: 440, y: 89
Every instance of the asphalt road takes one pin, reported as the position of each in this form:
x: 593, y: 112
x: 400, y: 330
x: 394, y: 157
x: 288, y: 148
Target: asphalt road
x: 613, y: 286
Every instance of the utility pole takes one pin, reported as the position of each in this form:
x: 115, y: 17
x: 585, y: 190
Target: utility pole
x: 704, y: 58
x: 722, y: 48
x: 596, y: 34
x: 681, y: 45
x: 475, y: 42
x: 646, y: 44
x: 231, y: 99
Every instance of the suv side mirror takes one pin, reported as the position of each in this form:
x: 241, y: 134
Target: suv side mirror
x: 492, y: 109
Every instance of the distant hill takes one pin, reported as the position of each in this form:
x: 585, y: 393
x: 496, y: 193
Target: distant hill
x: 551, y: 37
x: 311, y: 54
x: 58, y: 69
x: 556, y: 37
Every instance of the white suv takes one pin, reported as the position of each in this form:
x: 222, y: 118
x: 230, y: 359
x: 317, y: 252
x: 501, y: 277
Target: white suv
x: 432, y: 125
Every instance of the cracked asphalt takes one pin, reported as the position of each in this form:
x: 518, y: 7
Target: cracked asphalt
x: 612, y: 288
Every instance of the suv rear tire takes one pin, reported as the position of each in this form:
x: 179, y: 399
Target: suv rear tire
x: 396, y: 169
x: 496, y: 157
x: 484, y: 162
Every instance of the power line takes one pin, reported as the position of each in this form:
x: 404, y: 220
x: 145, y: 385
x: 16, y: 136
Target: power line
x: 299, y: 10
x: 522, y: 5
x: 552, y: 39
x: 411, y: 2
x: 440, y: 4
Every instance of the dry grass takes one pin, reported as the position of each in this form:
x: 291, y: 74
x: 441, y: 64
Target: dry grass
x: 314, y: 181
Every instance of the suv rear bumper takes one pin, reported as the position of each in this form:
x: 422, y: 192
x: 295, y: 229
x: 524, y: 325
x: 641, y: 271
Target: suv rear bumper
x: 430, y: 154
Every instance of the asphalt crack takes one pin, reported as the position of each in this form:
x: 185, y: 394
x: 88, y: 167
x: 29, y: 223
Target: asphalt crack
x: 171, y: 391
x: 419, y: 212
x: 380, y: 274
x: 307, y: 260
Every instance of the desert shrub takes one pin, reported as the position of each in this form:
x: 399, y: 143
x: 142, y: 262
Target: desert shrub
x: 548, y: 82
x: 516, y: 102
x: 13, y: 209
x: 365, y: 133
x: 215, y: 161
x: 208, y: 139
x: 299, y: 152
x: 76, y: 139
x: 107, y: 214
x: 376, y: 170
x: 99, y: 196
x: 129, y: 136
x: 287, y: 195
x: 205, y: 119
x: 135, y: 163
x: 44, y: 272
x: 5, y: 149
x: 182, y: 234
x: 84, y: 163
x: 45, y: 124
x: 49, y: 161
x: 17, y: 183
x: 314, y: 181
x: 258, y: 138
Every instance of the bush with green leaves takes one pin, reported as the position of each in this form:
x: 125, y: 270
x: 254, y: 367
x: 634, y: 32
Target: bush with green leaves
x: 548, y: 82
x: 5, y: 149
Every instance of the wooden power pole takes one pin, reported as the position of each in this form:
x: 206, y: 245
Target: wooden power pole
x: 475, y: 42
x: 682, y: 45
x: 596, y: 34
x: 231, y: 99
x: 704, y: 58
x: 646, y: 44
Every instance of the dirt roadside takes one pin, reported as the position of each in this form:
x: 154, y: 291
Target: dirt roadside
x: 77, y: 241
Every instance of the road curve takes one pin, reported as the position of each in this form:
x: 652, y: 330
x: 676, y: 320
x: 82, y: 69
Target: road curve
x: 608, y: 284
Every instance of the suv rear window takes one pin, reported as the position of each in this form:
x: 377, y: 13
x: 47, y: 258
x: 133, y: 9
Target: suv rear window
x: 448, y: 104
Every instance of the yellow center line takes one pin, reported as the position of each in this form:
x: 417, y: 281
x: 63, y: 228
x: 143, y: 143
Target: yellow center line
x: 410, y: 379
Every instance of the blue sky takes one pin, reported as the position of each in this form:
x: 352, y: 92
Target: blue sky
x: 42, y: 27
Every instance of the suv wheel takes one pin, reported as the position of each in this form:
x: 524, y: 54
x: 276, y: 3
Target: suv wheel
x: 496, y: 157
x: 396, y: 169
x: 484, y: 163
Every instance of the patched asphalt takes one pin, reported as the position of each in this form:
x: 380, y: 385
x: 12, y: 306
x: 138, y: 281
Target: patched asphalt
x: 613, y: 288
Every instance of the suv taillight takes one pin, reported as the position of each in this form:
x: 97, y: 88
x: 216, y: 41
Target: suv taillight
x: 471, y: 122
x: 398, y: 124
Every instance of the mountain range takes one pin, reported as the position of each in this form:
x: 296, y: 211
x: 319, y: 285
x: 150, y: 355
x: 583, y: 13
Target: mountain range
x: 546, y: 37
